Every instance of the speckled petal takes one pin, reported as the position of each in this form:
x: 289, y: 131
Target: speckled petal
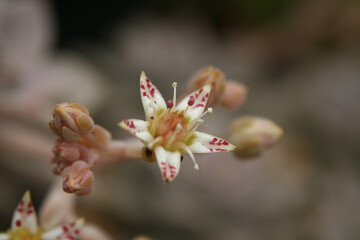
x: 169, y: 163
x: 151, y: 97
x: 65, y: 232
x: 138, y: 128
x: 206, y: 143
x: 200, y: 97
x: 24, y: 215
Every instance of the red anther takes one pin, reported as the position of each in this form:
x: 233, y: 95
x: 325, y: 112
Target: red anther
x: 170, y: 104
x: 191, y: 101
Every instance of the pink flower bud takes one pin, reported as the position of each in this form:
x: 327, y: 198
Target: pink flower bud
x: 68, y: 152
x: 253, y: 135
x: 71, y: 121
x: 205, y: 76
x: 77, y: 178
x: 234, y: 95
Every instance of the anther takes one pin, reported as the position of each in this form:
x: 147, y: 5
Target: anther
x: 191, y: 101
x: 170, y: 104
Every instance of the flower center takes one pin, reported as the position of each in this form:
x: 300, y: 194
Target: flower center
x: 171, y: 128
x: 23, y: 234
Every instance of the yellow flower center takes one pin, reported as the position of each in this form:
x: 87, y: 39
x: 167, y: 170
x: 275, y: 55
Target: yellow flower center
x: 23, y: 234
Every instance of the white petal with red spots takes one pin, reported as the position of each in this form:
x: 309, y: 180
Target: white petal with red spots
x: 24, y: 215
x: 138, y: 128
x: 200, y: 98
x: 206, y: 143
x: 65, y: 232
x: 150, y: 96
x: 169, y: 163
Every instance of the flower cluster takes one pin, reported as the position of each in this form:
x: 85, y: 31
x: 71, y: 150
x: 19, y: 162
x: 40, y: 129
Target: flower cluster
x: 168, y: 132
x: 76, y: 150
x: 24, y: 225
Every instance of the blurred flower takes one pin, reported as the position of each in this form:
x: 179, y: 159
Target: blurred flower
x: 234, y: 95
x: 253, y: 135
x: 24, y: 225
x: 170, y: 130
x: 71, y: 121
x: 208, y: 75
x: 77, y: 178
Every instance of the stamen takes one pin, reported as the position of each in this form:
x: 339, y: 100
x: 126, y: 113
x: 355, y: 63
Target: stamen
x: 191, y: 101
x: 174, y: 85
x: 187, y: 149
x: 193, y: 129
x: 173, y: 136
x: 209, y: 110
x: 156, y: 140
x: 170, y: 104
x: 200, y: 121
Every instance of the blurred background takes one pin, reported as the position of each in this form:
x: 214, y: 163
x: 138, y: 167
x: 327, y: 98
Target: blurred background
x: 300, y: 60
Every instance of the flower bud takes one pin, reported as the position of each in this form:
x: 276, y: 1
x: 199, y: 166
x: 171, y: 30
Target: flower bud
x: 205, y: 76
x: 253, y: 135
x: 77, y: 178
x: 71, y: 121
x: 68, y: 152
x: 234, y: 95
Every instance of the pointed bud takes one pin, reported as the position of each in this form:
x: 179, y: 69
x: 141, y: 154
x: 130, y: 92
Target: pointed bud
x: 77, y: 178
x: 205, y: 76
x: 71, y: 121
x: 234, y: 95
x: 253, y: 135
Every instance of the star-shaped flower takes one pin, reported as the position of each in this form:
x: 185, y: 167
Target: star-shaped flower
x: 170, y: 130
x: 24, y: 225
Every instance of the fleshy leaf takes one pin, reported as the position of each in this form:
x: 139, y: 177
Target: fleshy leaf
x: 150, y: 96
x: 169, y: 163
x: 200, y: 98
x: 206, y: 143
x: 65, y: 232
x: 138, y: 128
x: 24, y: 215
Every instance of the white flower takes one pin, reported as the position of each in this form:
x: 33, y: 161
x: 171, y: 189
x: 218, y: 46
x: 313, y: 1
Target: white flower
x: 24, y: 225
x: 170, y: 130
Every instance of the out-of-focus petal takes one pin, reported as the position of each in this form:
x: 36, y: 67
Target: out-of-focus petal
x: 24, y: 215
x: 65, y: 232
